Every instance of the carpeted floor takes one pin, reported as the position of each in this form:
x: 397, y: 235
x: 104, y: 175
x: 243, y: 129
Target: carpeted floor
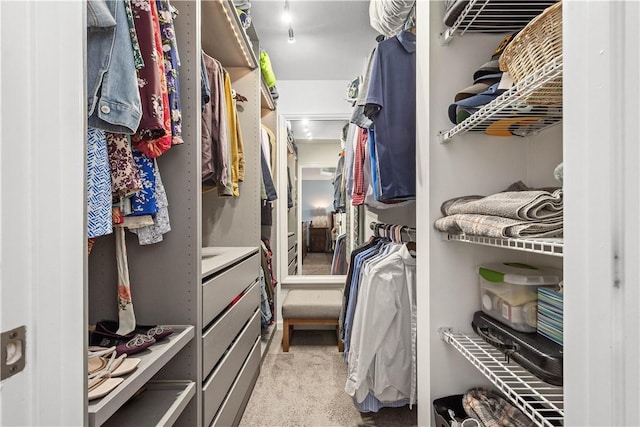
x: 305, y: 387
x: 317, y: 263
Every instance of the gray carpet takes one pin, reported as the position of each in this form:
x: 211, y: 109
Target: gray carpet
x: 317, y: 263
x: 305, y: 387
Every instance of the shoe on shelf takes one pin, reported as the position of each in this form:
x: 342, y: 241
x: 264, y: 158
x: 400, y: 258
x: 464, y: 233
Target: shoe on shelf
x: 123, y: 344
x: 157, y: 332
x: 106, y: 359
x: 101, y: 384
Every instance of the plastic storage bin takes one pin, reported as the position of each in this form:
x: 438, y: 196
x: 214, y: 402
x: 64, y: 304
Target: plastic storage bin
x: 509, y: 292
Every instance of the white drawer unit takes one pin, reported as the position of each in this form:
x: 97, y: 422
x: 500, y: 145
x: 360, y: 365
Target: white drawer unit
x: 219, y: 290
x: 293, y: 267
x: 292, y: 254
x: 230, y: 329
x: 217, y: 385
x: 292, y: 241
x: 236, y: 401
x: 221, y: 334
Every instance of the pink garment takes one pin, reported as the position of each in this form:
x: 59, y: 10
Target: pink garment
x: 156, y: 147
x: 359, y: 189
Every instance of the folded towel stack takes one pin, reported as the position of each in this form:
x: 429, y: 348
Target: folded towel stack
x: 517, y: 212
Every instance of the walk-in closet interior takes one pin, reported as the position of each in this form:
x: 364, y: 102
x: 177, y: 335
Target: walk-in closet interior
x: 160, y: 197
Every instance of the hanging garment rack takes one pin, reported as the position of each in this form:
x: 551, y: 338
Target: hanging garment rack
x: 393, y: 232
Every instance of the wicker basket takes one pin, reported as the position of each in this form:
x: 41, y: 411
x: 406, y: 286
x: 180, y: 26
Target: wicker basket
x: 536, y: 45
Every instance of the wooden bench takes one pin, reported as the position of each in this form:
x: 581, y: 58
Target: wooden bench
x: 304, y: 307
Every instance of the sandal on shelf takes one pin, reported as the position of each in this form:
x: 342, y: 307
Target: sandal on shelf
x: 157, y: 332
x: 101, y: 384
x: 101, y: 358
x: 123, y: 345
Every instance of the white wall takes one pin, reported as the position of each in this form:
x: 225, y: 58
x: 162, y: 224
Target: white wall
x: 318, y: 154
x: 316, y: 194
x: 313, y: 97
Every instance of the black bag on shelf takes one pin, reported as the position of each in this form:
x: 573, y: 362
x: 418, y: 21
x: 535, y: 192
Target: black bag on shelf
x: 537, y: 354
x: 449, y: 412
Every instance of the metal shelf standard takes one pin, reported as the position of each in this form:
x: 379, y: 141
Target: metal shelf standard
x: 549, y: 246
x: 542, y: 402
x: 494, y: 16
x: 509, y: 114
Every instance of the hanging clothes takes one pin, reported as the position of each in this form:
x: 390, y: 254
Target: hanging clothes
x: 270, y: 188
x: 166, y: 15
x: 391, y: 104
x: 144, y: 202
x: 215, y: 132
x: 113, y: 101
x: 99, y: 220
x: 149, y: 77
x: 235, y: 139
x: 359, y: 188
x: 125, y: 179
x: 339, y: 262
x: 289, y: 189
x: 126, y: 315
x: 338, y: 188
x: 161, y: 225
x: 379, y: 326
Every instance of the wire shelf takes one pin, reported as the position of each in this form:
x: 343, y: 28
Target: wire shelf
x: 509, y: 114
x: 546, y: 246
x: 494, y: 16
x: 542, y: 402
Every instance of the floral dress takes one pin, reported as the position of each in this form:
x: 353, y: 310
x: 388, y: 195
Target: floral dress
x: 166, y: 15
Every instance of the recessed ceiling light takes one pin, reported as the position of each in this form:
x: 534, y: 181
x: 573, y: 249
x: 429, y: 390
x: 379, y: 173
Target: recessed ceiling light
x: 305, y: 122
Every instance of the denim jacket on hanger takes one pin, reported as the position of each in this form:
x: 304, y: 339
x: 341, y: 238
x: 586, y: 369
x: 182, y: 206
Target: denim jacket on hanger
x: 112, y: 85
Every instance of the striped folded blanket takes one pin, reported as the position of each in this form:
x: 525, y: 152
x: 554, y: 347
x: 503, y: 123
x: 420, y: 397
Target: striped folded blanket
x: 496, y: 226
x: 523, y: 205
x: 517, y: 212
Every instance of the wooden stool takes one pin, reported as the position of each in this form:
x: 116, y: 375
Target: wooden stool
x: 311, y: 308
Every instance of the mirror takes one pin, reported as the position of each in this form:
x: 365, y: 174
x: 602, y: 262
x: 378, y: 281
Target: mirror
x: 319, y: 215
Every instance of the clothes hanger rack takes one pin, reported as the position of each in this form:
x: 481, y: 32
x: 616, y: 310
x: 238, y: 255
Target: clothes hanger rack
x: 393, y: 232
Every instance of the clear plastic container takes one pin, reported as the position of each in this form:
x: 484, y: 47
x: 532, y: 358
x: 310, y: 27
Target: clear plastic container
x: 509, y: 292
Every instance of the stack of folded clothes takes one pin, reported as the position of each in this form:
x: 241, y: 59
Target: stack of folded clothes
x: 519, y: 211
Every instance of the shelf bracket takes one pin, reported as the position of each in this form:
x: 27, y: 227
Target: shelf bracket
x: 443, y: 136
x: 446, y: 36
x: 444, y: 332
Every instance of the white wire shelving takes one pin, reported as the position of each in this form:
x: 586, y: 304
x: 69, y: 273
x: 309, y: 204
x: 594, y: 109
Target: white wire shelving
x: 510, y: 113
x: 494, y: 16
x: 545, y: 246
x: 543, y: 403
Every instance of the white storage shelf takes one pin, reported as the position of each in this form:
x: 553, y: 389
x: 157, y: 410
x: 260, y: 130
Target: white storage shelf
x: 152, y: 360
x: 545, y: 246
x: 159, y: 405
x: 266, y: 100
x: 220, y: 23
x: 215, y: 259
x: 511, y: 105
x: 542, y: 402
x: 494, y: 16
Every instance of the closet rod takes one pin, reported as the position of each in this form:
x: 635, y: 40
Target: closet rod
x: 381, y: 229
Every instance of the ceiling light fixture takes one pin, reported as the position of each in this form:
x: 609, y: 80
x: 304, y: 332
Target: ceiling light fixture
x: 292, y: 39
